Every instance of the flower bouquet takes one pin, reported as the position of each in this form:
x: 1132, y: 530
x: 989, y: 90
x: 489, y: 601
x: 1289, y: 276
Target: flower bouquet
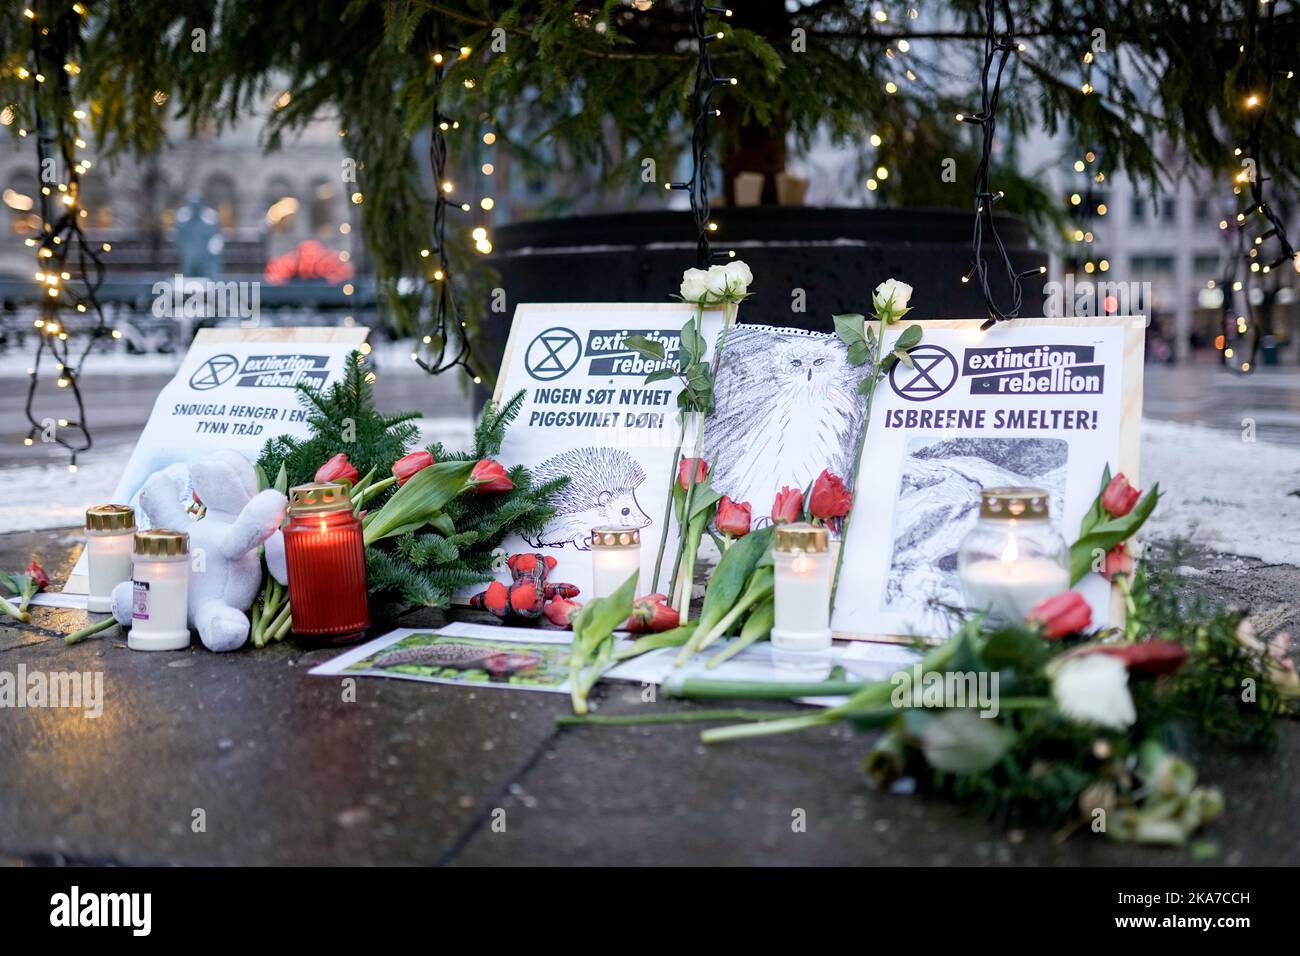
x: 432, y: 519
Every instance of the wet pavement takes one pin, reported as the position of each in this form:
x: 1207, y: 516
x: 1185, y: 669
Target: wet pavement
x: 202, y: 758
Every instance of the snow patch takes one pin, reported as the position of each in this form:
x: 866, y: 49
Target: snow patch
x: 1222, y: 493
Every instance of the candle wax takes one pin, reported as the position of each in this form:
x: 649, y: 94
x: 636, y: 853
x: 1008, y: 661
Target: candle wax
x: 611, y: 567
x: 1009, y: 589
x: 803, y: 601
x: 108, y: 558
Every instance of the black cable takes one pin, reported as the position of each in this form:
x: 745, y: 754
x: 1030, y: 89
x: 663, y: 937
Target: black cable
x: 706, y: 81
x: 447, y: 325
x: 62, y: 240
x: 998, y: 48
x: 1275, y: 228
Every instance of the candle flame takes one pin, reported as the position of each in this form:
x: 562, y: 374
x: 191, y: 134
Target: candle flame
x: 801, y: 564
x: 1011, y: 552
x: 322, y: 526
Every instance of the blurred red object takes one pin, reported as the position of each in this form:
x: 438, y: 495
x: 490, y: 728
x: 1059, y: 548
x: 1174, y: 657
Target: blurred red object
x: 310, y: 260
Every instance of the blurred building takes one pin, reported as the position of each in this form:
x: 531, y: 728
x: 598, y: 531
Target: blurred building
x: 264, y: 204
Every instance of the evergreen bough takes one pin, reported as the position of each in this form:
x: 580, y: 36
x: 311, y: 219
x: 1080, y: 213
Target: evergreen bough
x: 424, y: 567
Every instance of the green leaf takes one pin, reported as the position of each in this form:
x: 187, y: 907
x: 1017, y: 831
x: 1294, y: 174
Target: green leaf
x: 660, y: 375
x: 889, y: 361
x: 851, y: 329
x: 1096, y: 514
x: 903, y: 357
x: 599, y: 618
x: 859, y: 353
x: 731, y: 575
x: 911, y: 336
x: 419, y: 500
x: 282, y: 480
x: 647, y: 347
x: 1106, y: 534
x: 864, y: 388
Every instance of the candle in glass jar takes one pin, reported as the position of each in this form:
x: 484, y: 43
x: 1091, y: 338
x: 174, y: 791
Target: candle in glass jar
x: 160, y: 585
x: 615, y: 557
x: 325, y: 556
x: 110, y: 535
x: 803, y: 568
x: 1013, y: 558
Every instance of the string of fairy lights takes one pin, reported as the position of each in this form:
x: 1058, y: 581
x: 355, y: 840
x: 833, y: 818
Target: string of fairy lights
x: 998, y: 48
x: 70, y: 268
x: 1261, y: 238
x: 706, y: 82
x: 446, y: 339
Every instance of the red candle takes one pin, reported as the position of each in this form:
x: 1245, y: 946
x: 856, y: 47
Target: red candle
x: 326, y: 559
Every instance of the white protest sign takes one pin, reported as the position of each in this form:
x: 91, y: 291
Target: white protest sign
x: 234, y: 389
x: 588, y: 414
x: 1040, y: 402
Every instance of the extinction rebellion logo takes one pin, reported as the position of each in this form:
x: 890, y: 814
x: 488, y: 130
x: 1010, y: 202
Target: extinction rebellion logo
x: 553, y: 354
x: 557, y: 351
x: 1034, y: 370
x: 261, y: 371
x: 932, y: 373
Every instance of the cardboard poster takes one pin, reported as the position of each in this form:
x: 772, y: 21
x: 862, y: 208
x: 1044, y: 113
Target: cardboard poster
x: 588, y: 414
x: 1041, y: 402
x: 234, y: 389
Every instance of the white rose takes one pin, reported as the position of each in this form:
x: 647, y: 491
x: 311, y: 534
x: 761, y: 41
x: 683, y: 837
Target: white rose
x: 695, y: 287
x: 719, y: 281
x: 740, y: 276
x: 1093, y: 689
x: 890, y: 299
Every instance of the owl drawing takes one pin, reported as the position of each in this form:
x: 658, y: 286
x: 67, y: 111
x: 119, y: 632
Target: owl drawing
x: 786, y: 407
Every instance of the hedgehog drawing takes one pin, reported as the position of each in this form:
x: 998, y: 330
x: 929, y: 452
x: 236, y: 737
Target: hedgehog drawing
x: 601, y: 491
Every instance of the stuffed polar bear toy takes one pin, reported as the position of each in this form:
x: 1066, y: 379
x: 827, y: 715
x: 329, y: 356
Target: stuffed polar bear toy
x: 224, y: 583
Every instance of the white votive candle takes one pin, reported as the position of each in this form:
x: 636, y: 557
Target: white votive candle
x: 1008, y: 590
x: 160, y: 584
x: 803, y: 566
x: 615, y: 557
x: 110, y: 531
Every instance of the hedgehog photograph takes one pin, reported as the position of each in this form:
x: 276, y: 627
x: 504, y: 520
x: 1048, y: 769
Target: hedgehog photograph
x: 601, y: 491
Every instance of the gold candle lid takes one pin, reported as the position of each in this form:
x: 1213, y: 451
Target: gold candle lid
x: 1008, y: 503
x: 616, y: 536
x: 318, y: 498
x: 161, y: 543
x: 801, y: 536
x: 110, y: 518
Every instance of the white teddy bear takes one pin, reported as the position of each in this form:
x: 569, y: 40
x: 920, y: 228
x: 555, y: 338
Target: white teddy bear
x: 226, y: 571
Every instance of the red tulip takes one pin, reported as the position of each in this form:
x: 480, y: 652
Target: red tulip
x: 338, y: 469
x: 408, y: 465
x: 560, y: 612
x: 1061, y: 615
x: 685, y: 467
x: 1155, y: 657
x: 1119, y: 496
x: 733, y: 517
x: 788, y: 506
x: 1118, y: 561
x: 651, y: 613
x: 489, y: 476
x: 38, y: 575
x: 829, y: 498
